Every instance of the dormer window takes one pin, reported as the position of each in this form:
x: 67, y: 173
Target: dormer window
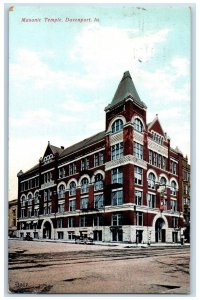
x: 48, y: 158
x: 157, y: 137
x: 117, y: 126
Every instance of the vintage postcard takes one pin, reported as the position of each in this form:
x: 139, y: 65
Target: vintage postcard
x: 99, y: 149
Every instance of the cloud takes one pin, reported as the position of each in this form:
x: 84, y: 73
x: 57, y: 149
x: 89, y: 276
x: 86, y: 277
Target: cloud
x: 168, y: 85
x: 38, y: 117
x: 106, y: 51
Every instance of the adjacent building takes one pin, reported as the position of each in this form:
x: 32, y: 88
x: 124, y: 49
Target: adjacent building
x: 186, y: 197
x: 12, y: 218
x: 123, y: 184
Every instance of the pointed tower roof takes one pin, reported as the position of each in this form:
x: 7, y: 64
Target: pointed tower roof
x: 126, y: 88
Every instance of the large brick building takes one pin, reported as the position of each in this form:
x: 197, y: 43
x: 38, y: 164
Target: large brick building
x: 122, y: 184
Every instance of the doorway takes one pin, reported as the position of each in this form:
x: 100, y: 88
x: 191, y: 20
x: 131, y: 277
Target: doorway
x: 47, y: 230
x: 160, y: 232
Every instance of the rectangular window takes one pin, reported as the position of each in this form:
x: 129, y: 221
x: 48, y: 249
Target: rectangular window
x: 84, y: 203
x: 71, y: 235
x: 36, y: 212
x: 117, y: 151
x: 150, y: 156
x: 98, y: 159
x: 29, y: 212
x: 60, y: 235
x: 84, y: 164
x: 71, y: 222
x: 163, y: 163
x: 173, y: 205
x: 98, y: 201
x: 59, y: 223
x: 139, y: 218
x: 117, y: 175
x: 138, y: 174
x: 45, y: 196
x: 116, y: 219
x: 159, y: 161
x: 72, y: 169
x: 49, y: 209
x: 61, y: 173
x: 22, y: 213
x: 117, y: 197
x: 174, y: 222
x: 98, y: 220
x: 138, y: 197
x: 138, y: 150
x: 82, y: 221
x: 151, y: 200
x: 72, y: 205
x: 101, y: 159
x: 61, y: 208
x: 173, y: 167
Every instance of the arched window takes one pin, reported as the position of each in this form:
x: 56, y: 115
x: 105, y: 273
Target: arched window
x: 61, y: 191
x: 23, y: 200
x: 138, y: 126
x: 30, y: 199
x: 173, y: 188
x: 163, y: 181
x: 151, y: 181
x: 36, y: 197
x: 84, y: 185
x: 117, y: 125
x: 98, y: 184
x: 72, y: 188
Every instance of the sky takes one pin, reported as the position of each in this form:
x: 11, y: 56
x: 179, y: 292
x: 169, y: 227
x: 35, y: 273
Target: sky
x: 63, y: 74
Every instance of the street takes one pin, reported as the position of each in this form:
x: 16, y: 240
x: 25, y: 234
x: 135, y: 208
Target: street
x: 62, y: 268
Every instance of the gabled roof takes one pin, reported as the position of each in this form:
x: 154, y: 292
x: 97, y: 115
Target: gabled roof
x: 156, y: 126
x: 125, y: 89
x: 52, y: 150
x: 55, y: 149
x: 78, y: 146
x: 85, y: 143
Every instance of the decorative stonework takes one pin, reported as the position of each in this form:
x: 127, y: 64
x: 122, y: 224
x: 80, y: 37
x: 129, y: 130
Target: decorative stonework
x: 157, y: 148
x: 47, y: 185
x: 138, y: 137
x: 128, y: 159
x: 116, y: 138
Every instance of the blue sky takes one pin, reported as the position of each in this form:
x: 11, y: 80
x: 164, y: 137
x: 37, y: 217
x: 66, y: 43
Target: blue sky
x: 63, y: 75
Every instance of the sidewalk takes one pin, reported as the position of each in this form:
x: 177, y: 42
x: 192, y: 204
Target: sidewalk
x: 112, y: 244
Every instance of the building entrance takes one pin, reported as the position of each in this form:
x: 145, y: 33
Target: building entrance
x: 160, y: 232
x: 47, y: 230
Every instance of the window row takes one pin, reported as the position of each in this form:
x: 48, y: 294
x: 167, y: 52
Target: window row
x: 117, y: 219
x: 157, y: 160
x: 117, y: 150
x: 118, y: 125
x: 157, y: 137
x: 29, y: 184
x: 138, y: 179
x: 98, y: 185
x: 86, y: 163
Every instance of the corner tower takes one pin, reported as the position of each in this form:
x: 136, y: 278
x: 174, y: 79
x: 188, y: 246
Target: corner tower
x: 126, y: 141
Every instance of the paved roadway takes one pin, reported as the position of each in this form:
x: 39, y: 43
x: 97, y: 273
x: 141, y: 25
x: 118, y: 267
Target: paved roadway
x: 61, y: 268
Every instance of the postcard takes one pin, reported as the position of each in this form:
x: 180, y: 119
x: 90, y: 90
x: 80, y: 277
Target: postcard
x: 99, y: 149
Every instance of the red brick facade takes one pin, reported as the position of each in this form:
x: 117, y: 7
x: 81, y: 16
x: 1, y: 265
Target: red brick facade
x: 108, y: 186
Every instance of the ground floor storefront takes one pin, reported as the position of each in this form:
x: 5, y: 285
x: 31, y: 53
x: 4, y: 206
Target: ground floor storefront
x: 159, y: 229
